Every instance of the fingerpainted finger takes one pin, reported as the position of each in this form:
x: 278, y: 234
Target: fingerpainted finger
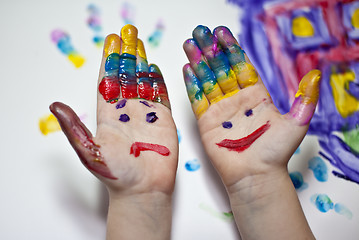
x: 109, y: 86
x: 195, y: 92
x: 306, y: 98
x: 216, y: 58
x: 159, y: 90
x: 127, y: 70
x: 81, y: 140
x: 244, y: 70
x: 203, y: 71
x: 144, y: 84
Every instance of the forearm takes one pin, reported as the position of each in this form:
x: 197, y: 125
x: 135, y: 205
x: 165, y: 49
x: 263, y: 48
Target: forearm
x: 145, y: 216
x: 267, y: 207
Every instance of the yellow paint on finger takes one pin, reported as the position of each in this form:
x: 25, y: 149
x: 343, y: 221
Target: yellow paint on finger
x: 129, y: 39
x: 308, y: 88
x: 246, y: 74
x: 49, y: 124
x: 355, y: 18
x: 345, y: 103
x: 141, y: 49
x: 302, y: 27
x: 212, y: 92
x: 200, y: 106
x: 227, y: 82
x: 112, y: 45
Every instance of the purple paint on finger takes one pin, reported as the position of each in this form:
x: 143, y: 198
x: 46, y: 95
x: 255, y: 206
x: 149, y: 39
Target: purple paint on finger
x: 124, y: 118
x: 121, y: 103
x: 227, y: 124
x: 151, y: 117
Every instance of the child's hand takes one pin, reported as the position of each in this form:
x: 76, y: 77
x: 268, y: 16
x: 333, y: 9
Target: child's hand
x: 242, y: 131
x: 135, y: 149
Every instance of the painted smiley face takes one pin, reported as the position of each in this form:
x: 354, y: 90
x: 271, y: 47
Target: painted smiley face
x: 242, y: 144
x: 138, y: 147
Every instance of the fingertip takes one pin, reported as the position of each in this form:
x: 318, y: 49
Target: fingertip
x: 141, y: 49
x: 112, y: 44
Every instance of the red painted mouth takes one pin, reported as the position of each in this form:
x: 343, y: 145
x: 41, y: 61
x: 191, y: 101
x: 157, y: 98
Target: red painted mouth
x: 242, y: 144
x: 138, y: 147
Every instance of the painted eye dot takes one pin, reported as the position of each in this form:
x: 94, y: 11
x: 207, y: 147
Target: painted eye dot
x: 124, y: 118
x: 151, y: 117
x: 121, y: 104
x: 227, y: 124
x: 248, y: 112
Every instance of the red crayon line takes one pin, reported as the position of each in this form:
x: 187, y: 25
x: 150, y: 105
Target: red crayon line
x: 137, y: 147
x: 242, y: 144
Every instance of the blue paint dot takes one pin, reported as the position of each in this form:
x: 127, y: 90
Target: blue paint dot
x: 249, y: 112
x: 227, y: 124
x: 121, y: 104
x: 124, y: 118
x: 319, y: 168
x: 297, y: 151
x: 192, y: 165
x: 297, y: 179
x: 179, y: 136
x: 343, y: 210
x: 151, y: 117
x: 322, y: 202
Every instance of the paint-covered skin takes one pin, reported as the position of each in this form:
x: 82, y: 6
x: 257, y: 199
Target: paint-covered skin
x: 239, y: 125
x: 135, y: 149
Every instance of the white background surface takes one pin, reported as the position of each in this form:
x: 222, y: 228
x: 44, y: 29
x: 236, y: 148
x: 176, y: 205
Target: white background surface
x: 45, y: 191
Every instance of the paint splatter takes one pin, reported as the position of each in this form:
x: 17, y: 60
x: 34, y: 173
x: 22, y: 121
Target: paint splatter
x: 319, y: 168
x: 324, y: 204
x: 127, y: 13
x: 124, y: 118
x: 297, y: 180
x: 155, y: 39
x: 192, y: 165
x: 325, y: 37
x: 225, y: 216
x: 94, y: 22
x: 151, y: 117
x: 121, y: 104
x: 63, y: 43
x: 242, y: 144
x: 227, y: 124
x: 49, y: 124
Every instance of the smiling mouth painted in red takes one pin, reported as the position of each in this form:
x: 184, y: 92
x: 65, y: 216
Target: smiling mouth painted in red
x: 138, y: 147
x: 242, y: 144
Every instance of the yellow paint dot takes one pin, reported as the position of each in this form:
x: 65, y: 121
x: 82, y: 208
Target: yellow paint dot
x: 302, y: 27
x: 76, y: 59
x: 355, y: 18
x: 49, y: 124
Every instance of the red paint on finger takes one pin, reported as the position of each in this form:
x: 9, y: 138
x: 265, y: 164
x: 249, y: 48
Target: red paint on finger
x: 242, y: 144
x: 110, y: 89
x: 137, y: 147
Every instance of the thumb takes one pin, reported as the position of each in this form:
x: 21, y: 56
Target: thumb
x: 81, y: 139
x: 306, y: 98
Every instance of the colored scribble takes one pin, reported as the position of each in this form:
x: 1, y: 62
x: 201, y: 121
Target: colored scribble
x: 127, y: 13
x: 49, y: 124
x: 192, y: 165
x: 298, y: 181
x: 324, y: 204
x: 319, y: 168
x: 151, y: 117
x: 225, y: 216
x: 63, y: 43
x: 351, y: 138
x: 94, y: 22
x: 155, y: 38
x: 242, y: 144
x: 287, y: 39
x: 147, y: 104
x: 138, y: 147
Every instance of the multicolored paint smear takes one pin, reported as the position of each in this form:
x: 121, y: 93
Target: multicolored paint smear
x: 63, y: 42
x: 49, y: 124
x: 127, y: 13
x: 155, y: 39
x: 324, y: 204
x: 192, y: 165
x: 94, y: 22
x: 287, y: 39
